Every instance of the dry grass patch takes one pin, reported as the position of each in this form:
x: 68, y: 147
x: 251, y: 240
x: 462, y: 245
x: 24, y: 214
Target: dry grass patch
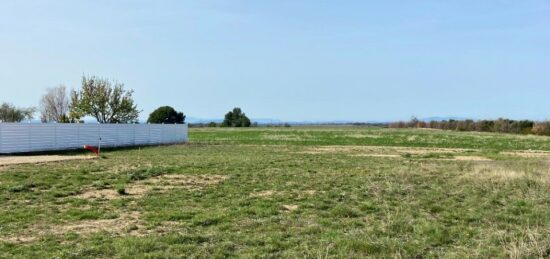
x: 383, y: 150
x: 310, y: 192
x: 104, y: 194
x: 379, y: 155
x: 128, y: 225
x: 499, y: 173
x: 528, y: 154
x: 267, y: 193
x: 161, y: 183
x: 399, y: 152
x: 469, y: 158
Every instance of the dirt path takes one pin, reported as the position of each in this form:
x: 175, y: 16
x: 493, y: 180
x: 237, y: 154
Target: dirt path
x: 15, y: 160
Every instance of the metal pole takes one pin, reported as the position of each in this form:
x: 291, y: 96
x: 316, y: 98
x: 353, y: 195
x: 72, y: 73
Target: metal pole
x: 99, y: 143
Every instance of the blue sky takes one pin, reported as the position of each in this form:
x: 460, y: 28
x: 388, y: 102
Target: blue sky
x: 288, y: 59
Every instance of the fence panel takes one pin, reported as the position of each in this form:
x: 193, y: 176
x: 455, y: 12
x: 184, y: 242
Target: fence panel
x: 22, y: 137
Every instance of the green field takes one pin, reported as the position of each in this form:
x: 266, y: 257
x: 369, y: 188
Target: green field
x: 288, y: 192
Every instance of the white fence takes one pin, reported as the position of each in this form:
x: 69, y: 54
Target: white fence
x: 20, y: 137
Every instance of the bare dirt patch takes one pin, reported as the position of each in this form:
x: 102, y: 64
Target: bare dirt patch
x: 290, y: 207
x: 16, y: 160
x: 161, y: 183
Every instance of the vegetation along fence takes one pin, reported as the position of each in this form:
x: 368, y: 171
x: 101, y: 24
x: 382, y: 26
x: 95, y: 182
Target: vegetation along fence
x: 19, y: 137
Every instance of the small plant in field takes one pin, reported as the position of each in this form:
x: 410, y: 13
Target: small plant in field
x: 100, y: 185
x: 121, y: 190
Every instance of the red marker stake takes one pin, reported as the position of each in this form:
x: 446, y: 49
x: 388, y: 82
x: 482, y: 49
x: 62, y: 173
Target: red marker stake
x: 92, y: 149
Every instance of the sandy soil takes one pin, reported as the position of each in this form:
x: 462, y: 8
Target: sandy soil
x: 15, y: 160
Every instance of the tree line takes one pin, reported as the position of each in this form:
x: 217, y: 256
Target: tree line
x: 500, y: 125
x: 105, y: 100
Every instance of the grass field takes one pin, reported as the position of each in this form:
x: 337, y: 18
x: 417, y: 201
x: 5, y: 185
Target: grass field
x: 288, y: 192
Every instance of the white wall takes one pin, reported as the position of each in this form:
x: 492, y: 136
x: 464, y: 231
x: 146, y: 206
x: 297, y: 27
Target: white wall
x: 20, y: 137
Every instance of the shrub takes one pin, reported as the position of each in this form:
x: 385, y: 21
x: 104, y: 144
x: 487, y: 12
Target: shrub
x: 167, y: 115
x: 236, y: 118
x: 121, y: 190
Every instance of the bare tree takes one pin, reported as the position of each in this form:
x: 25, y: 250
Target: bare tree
x: 54, y: 105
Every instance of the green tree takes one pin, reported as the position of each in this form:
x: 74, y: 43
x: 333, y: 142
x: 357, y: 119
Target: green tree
x: 105, y: 100
x: 236, y: 118
x: 10, y: 113
x: 166, y: 114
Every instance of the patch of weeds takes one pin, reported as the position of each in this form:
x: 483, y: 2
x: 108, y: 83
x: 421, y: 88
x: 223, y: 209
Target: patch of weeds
x: 206, y: 220
x: 100, y: 185
x: 345, y: 212
x: 436, y: 156
x: 61, y: 193
x: 121, y: 190
x: 142, y: 174
x: 71, y: 236
x: 27, y: 187
x: 369, y: 207
x: 185, y: 239
x: 173, y: 216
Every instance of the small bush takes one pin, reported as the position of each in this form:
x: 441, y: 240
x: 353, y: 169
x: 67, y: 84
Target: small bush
x: 121, y: 190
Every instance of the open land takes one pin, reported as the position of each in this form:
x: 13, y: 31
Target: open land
x: 287, y: 192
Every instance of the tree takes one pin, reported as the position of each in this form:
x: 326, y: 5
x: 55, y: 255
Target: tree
x: 10, y: 113
x: 236, y: 118
x: 105, y: 100
x: 54, y: 105
x: 166, y: 114
x: 541, y: 128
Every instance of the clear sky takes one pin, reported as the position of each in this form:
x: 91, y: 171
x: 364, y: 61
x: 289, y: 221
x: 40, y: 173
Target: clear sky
x: 288, y: 59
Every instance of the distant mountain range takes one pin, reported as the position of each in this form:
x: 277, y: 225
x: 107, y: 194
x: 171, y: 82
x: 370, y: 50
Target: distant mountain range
x: 442, y: 119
